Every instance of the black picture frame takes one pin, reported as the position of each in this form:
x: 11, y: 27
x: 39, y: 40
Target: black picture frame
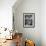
x: 28, y: 20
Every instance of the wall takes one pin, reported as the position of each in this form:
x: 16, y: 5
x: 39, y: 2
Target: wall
x: 28, y: 6
x: 6, y: 13
x: 43, y: 22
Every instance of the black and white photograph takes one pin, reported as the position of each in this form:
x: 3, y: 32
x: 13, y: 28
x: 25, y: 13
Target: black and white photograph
x: 29, y: 20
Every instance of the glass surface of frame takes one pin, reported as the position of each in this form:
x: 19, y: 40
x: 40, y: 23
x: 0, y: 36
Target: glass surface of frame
x: 29, y: 20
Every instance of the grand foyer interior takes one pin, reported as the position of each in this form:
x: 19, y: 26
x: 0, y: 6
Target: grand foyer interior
x: 17, y: 8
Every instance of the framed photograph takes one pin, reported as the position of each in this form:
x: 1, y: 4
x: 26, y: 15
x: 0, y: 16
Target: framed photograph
x: 29, y: 20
